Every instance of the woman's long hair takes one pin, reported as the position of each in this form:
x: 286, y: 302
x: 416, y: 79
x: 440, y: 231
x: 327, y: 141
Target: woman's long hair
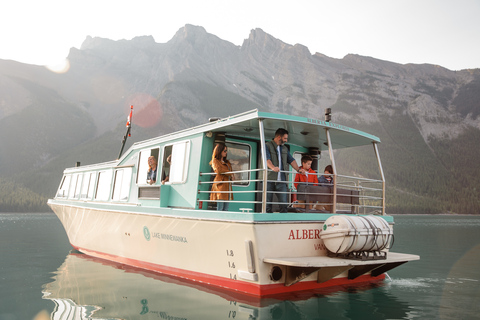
x: 217, y: 152
x: 152, y: 168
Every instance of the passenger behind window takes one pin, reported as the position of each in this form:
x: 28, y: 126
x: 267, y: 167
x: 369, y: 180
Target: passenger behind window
x: 152, y: 170
x: 166, y: 170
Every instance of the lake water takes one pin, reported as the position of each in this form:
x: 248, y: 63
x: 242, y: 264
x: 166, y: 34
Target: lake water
x: 40, y: 278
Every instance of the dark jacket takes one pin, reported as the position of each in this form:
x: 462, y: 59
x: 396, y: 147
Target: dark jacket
x: 272, y: 147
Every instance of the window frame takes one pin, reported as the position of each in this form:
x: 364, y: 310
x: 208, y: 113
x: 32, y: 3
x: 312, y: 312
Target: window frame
x: 229, y: 145
x: 143, y: 166
x: 64, y: 186
x: 101, y: 185
x: 91, y: 187
x: 88, y: 184
x: 125, y: 184
x: 72, y: 192
x: 178, y: 168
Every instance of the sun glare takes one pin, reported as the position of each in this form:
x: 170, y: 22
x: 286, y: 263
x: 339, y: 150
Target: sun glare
x: 147, y: 111
x: 59, y: 67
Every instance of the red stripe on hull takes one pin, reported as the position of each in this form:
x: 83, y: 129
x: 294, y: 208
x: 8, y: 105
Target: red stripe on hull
x: 238, y: 285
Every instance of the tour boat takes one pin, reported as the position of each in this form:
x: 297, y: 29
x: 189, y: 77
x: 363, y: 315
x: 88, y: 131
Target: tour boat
x: 111, y: 211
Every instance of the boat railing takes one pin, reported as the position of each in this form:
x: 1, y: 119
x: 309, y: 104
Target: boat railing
x: 240, y: 183
x: 348, y: 194
x: 368, y: 191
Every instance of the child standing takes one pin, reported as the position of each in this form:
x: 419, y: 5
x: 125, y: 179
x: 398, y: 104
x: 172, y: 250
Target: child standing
x: 310, y: 176
x: 302, y: 181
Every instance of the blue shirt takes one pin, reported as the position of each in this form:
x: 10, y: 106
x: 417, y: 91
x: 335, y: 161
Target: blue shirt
x: 152, y: 175
x: 323, y: 180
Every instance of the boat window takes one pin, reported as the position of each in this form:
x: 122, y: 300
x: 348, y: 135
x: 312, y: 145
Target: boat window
x: 167, y: 161
x: 64, y: 186
x: 92, y: 186
x: 179, y: 159
x: 239, y: 156
x: 103, y: 185
x: 87, y: 185
x: 72, y: 192
x: 143, y: 164
x: 121, y: 185
x: 78, y: 187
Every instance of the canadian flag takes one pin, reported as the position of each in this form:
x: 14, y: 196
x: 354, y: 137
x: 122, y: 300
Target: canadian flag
x: 129, y: 119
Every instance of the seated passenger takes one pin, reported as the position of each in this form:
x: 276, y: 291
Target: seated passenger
x: 327, y: 180
x: 152, y: 170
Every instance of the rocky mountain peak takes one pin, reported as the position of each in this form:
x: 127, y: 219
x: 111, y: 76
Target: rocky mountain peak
x: 190, y: 31
x: 94, y: 42
x: 260, y: 39
x: 191, y: 35
x: 143, y: 41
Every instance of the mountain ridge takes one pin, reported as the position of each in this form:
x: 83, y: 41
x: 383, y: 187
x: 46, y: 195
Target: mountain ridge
x: 420, y: 111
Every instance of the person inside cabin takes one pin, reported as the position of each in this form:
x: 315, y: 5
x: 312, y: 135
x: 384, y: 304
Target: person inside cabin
x: 278, y: 158
x: 152, y: 170
x: 327, y: 179
x: 166, y: 172
x: 222, y: 188
x: 309, y: 178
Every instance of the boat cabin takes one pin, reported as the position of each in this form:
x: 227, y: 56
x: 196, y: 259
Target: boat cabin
x: 184, y: 177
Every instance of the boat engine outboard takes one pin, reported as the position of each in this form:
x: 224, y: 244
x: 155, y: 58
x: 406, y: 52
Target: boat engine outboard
x: 357, y: 237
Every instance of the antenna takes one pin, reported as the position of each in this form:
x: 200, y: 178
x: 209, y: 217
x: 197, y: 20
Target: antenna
x: 328, y: 114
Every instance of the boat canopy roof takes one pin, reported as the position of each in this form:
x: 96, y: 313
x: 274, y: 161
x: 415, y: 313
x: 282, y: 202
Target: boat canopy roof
x: 302, y: 131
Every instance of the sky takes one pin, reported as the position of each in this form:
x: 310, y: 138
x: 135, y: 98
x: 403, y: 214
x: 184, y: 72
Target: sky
x: 440, y: 32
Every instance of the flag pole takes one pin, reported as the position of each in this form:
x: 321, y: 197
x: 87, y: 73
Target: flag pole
x: 127, y: 134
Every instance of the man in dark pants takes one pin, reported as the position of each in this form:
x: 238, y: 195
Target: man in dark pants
x: 278, y: 157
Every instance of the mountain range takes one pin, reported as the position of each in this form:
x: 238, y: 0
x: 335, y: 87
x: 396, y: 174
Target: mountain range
x: 426, y: 116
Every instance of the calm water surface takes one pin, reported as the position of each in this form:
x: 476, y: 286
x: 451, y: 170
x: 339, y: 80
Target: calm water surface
x: 40, y: 277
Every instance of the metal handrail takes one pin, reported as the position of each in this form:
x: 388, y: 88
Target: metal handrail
x: 229, y: 172
x: 230, y: 181
x: 368, y: 196
x: 234, y: 192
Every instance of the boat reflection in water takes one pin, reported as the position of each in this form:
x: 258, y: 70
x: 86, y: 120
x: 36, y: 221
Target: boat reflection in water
x: 89, y: 288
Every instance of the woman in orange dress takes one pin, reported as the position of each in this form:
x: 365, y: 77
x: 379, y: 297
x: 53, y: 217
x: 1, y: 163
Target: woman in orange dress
x: 221, y: 189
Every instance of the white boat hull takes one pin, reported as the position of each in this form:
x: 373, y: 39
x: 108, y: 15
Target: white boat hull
x: 224, y: 253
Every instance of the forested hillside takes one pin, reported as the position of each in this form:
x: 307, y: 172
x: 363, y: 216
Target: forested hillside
x: 16, y: 198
